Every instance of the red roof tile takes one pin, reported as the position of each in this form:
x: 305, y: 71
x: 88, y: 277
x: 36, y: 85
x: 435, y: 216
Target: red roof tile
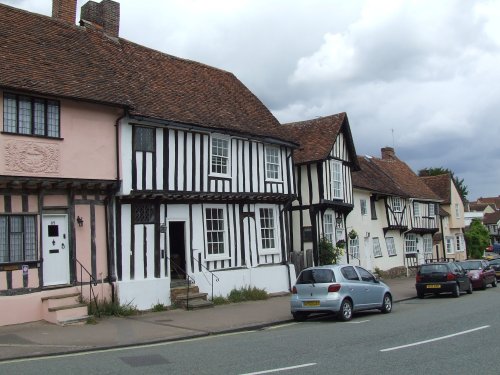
x: 318, y: 136
x: 47, y: 56
x: 441, y: 185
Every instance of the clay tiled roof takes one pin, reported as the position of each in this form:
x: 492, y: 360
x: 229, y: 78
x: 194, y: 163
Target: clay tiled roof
x: 390, y: 175
x: 372, y: 177
x: 492, y: 218
x: 473, y: 206
x: 492, y: 201
x: 441, y: 185
x: 317, y: 138
x: 47, y: 56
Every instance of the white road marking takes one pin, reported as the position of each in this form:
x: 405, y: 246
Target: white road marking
x: 434, y: 339
x: 358, y: 321
x: 281, y: 369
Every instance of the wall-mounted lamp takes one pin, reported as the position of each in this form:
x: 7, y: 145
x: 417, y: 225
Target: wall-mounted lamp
x: 367, y: 234
x: 79, y: 220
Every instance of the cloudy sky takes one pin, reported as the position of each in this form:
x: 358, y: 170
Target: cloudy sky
x: 422, y: 76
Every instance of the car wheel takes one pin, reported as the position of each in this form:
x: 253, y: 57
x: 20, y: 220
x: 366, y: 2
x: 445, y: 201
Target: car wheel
x: 469, y: 291
x: 386, y: 304
x: 299, y: 316
x: 494, y: 283
x: 345, y: 312
x: 456, y: 292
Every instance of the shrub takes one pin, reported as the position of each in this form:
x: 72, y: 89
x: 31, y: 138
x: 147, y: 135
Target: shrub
x: 241, y: 295
x: 328, y: 254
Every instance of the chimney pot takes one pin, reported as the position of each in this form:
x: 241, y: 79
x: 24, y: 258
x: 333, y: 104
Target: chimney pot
x: 64, y: 10
x: 388, y: 153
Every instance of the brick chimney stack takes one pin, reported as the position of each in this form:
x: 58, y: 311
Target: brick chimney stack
x: 388, y: 153
x: 64, y: 10
x: 105, y: 15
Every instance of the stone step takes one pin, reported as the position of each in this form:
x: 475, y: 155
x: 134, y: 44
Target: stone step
x: 174, y: 292
x: 199, y: 304
x: 191, y: 296
x: 60, y: 300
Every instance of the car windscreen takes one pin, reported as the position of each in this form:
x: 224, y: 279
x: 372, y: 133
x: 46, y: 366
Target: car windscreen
x: 316, y: 276
x: 430, y: 268
x: 471, y: 265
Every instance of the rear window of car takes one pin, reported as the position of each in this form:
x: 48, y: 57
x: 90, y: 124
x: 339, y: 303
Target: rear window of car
x: 472, y: 265
x: 430, y: 268
x: 316, y: 276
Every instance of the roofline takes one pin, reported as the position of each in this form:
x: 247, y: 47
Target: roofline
x: 67, y: 97
x: 144, y: 120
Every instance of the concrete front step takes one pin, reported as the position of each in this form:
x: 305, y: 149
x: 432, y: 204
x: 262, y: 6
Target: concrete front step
x: 64, y: 309
x: 196, y: 304
x: 177, y: 291
x: 60, y: 300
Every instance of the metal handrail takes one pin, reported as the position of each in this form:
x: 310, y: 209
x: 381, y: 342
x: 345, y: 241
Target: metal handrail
x: 189, y: 279
x: 213, y: 275
x: 91, y: 281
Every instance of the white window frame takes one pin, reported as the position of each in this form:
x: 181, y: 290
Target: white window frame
x: 377, y: 249
x: 432, y: 210
x: 354, y: 247
x: 329, y: 227
x: 226, y: 158
x: 459, y: 243
x: 410, y: 244
x: 449, y: 242
x: 224, y: 254
x: 336, y: 180
x: 271, y: 174
x: 427, y: 244
x: 391, y: 246
x: 274, y: 228
x: 396, y: 204
x: 416, y: 209
x: 457, y: 211
x: 364, y: 210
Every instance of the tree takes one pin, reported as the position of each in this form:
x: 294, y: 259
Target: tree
x: 477, y: 239
x: 329, y: 254
x: 462, y: 188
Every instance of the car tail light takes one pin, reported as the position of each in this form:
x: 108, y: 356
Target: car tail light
x: 333, y: 288
x: 450, y: 277
x: 294, y: 290
x: 418, y: 278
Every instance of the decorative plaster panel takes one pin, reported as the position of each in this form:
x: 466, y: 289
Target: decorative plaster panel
x: 31, y: 157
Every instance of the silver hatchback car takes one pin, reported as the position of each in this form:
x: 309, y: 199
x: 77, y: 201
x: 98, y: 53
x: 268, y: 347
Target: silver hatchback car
x: 340, y: 289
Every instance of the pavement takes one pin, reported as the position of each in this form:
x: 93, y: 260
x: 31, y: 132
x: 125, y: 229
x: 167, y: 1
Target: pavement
x: 40, y: 338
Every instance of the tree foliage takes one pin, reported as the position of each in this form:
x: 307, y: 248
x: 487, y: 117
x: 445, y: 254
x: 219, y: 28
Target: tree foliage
x: 329, y: 254
x: 477, y: 239
x: 463, y: 190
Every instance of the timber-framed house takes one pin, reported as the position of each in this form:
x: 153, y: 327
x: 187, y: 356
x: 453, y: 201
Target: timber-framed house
x: 397, y: 214
x: 323, y: 166
x: 152, y: 168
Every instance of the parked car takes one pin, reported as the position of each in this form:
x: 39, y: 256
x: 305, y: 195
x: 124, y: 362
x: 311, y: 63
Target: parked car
x: 442, y: 277
x: 495, y: 248
x: 480, y: 273
x: 495, y: 264
x: 339, y: 289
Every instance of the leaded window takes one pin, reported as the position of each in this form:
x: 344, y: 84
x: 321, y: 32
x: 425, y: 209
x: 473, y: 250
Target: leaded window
x: 377, y: 250
x: 17, y: 238
x: 144, y: 139
x: 362, y: 203
x: 273, y: 164
x: 144, y: 213
x: 31, y: 116
x: 391, y: 247
x: 396, y: 204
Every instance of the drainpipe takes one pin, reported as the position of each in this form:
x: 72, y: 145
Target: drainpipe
x: 108, y: 202
x: 286, y: 207
x: 442, y: 240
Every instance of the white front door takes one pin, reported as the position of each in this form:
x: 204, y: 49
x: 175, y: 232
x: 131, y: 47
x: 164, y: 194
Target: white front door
x: 55, y: 249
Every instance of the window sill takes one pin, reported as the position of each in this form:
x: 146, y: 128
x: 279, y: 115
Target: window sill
x: 269, y: 252
x: 220, y: 176
x: 215, y: 258
x: 32, y: 136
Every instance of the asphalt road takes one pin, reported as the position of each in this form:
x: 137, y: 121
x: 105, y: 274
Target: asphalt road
x: 437, y: 335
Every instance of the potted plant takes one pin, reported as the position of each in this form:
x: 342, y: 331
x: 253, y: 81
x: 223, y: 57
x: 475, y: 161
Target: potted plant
x: 353, y: 234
